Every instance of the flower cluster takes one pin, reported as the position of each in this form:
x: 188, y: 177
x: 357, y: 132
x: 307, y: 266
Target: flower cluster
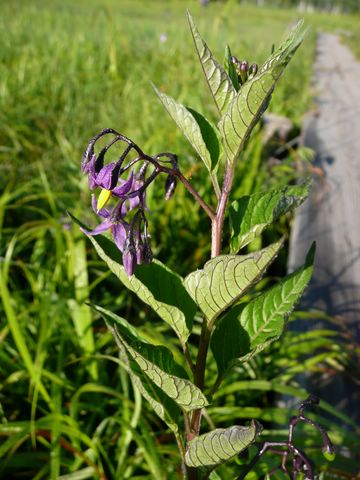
x: 243, y: 71
x: 124, y: 182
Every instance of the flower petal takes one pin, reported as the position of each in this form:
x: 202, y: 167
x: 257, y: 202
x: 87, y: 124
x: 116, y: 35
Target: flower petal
x: 99, y: 229
x: 104, y: 177
x: 92, y: 173
x: 124, y: 188
x: 119, y: 235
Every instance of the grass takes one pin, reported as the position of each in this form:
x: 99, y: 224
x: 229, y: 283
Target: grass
x: 67, y: 409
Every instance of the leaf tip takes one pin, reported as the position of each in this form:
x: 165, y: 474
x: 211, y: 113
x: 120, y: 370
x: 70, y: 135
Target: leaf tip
x: 189, y: 16
x: 257, y: 427
x: 311, y: 254
x: 156, y: 90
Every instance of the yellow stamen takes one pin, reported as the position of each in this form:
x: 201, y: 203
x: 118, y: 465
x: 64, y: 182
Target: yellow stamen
x: 103, y: 198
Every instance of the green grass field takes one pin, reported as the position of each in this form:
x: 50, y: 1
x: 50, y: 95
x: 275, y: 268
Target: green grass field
x: 68, y: 69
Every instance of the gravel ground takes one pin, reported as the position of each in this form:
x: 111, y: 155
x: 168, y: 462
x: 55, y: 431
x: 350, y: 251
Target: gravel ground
x: 331, y: 215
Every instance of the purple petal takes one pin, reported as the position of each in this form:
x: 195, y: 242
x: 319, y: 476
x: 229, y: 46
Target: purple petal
x: 99, y: 229
x: 124, y: 188
x: 104, y: 212
x: 136, y: 198
x: 119, y: 235
x: 92, y: 182
x: 123, y: 209
x: 86, y: 160
x: 134, y: 203
x: 104, y: 177
x: 85, y: 167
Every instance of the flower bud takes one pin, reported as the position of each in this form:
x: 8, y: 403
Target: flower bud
x: 129, y: 257
x: 147, y: 253
x: 235, y: 61
x: 139, y: 251
x: 253, y: 70
x: 170, y: 185
x: 244, y: 69
x: 142, y: 171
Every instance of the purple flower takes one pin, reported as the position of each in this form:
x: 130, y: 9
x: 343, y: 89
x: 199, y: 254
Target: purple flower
x: 127, y: 218
x: 108, y: 178
x: 113, y: 222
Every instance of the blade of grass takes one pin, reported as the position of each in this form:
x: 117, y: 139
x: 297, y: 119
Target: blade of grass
x: 16, y: 329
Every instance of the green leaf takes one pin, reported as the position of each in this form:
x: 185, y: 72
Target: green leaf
x: 155, y: 284
x: 163, y: 406
x: 220, y: 84
x: 210, y: 135
x: 196, y: 129
x: 157, y: 363
x: 220, y: 445
x: 251, y: 214
x: 224, y: 279
x: 253, y: 98
x: 214, y: 476
x: 247, y: 329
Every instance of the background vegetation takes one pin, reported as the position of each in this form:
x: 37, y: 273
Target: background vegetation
x: 68, y: 69
x: 345, y: 6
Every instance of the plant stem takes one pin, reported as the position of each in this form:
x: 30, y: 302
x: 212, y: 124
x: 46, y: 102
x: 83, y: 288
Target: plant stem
x: 199, y: 375
x: 188, y: 357
x: 216, y: 237
x: 210, y: 212
x: 217, y: 223
x: 182, y: 454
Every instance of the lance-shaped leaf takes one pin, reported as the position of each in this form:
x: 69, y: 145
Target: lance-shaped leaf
x: 247, y: 329
x: 251, y: 214
x: 155, y: 284
x: 253, y: 98
x: 220, y: 445
x: 158, y: 364
x: 163, y: 406
x: 220, y: 84
x: 224, y: 279
x: 196, y: 128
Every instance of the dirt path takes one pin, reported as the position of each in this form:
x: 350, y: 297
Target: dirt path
x: 331, y: 216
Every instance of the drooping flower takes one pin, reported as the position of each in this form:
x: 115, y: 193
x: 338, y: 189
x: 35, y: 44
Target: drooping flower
x: 126, y: 220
